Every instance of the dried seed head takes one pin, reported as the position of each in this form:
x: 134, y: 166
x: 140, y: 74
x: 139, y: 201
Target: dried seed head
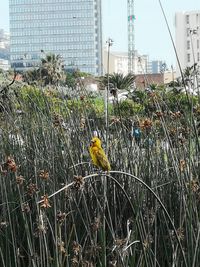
x: 61, y: 246
x: 182, y: 165
x: 180, y: 233
x: 44, y: 174
x: 3, y: 224
x: 11, y: 165
x: 45, y: 202
x: 32, y: 189
x: 75, y: 262
x: 76, y: 247
x: 57, y: 120
x: 61, y: 217
x: 20, y: 180
x: 159, y: 114
x: 120, y: 242
x: 26, y: 208
x: 78, y: 182
x: 146, y: 124
x: 193, y: 185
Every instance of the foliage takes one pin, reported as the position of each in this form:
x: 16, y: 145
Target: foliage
x: 128, y: 108
x: 119, y: 81
x: 50, y: 71
x: 72, y: 215
x: 70, y: 80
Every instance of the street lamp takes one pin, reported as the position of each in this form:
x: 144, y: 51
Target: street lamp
x: 109, y: 43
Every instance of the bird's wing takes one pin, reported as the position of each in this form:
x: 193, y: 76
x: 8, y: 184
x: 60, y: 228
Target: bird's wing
x: 102, y: 160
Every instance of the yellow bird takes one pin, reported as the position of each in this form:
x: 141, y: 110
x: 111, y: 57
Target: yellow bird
x: 98, y: 155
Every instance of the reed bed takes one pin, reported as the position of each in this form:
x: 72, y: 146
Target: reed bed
x: 56, y: 209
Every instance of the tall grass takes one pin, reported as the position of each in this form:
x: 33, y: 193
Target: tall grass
x: 151, y: 206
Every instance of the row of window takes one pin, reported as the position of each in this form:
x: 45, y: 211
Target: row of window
x: 50, y: 8
x: 32, y: 32
x: 58, y: 16
x: 191, y: 16
x: 68, y: 61
x: 82, y: 58
x: 52, y: 47
x: 43, y: 24
x: 193, y: 41
x: 53, y: 9
x: 12, y: 2
x: 60, y: 40
x: 84, y: 67
x: 51, y: 23
x: 62, y: 18
x: 189, y: 57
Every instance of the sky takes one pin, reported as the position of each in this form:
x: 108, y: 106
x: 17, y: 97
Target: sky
x: 151, y: 34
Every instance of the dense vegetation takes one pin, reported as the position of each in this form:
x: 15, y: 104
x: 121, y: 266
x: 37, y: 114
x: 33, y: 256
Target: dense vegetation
x: 145, y: 212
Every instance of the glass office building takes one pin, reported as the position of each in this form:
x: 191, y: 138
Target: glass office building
x: 70, y: 28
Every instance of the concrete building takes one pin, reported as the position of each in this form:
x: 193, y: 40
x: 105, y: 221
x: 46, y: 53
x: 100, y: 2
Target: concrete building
x: 157, y: 66
x: 187, y: 25
x: 142, y: 81
x: 70, y: 28
x: 118, y: 62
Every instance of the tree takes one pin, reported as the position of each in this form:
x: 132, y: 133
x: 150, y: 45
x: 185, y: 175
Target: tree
x: 31, y: 76
x: 119, y: 81
x: 51, y: 69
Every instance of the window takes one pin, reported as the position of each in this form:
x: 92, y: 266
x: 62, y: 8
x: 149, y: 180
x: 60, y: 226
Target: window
x: 188, y: 44
x: 188, y: 57
x: 187, y: 19
x: 188, y: 32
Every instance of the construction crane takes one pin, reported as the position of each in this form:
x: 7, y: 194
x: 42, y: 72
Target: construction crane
x: 131, y: 39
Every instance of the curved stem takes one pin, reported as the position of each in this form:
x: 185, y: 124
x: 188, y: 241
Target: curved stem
x: 141, y: 182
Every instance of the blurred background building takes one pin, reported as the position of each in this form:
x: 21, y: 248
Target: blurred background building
x: 70, y: 28
x: 187, y: 26
x: 118, y: 63
x: 4, y: 50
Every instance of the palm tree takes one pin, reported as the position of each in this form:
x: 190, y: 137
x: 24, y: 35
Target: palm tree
x: 119, y: 81
x: 51, y: 69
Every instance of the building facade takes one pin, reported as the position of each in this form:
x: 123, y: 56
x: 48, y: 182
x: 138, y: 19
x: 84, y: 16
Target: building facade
x: 187, y: 25
x: 70, y: 28
x: 118, y: 62
x: 157, y: 66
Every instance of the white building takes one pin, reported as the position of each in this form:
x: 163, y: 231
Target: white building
x: 187, y: 25
x: 118, y: 62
